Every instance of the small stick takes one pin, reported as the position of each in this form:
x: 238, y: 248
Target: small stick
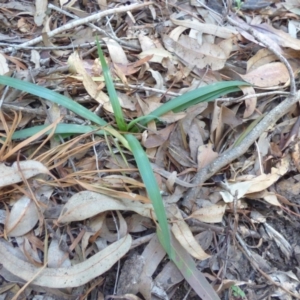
x: 254, y: 264
x: 270, y: 119
x: 114, y: 37
x: 82, y: 21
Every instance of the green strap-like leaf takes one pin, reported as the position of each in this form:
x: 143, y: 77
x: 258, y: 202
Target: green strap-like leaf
x: 203, y: 94
x: 63, y: 101
x: 113, y: 97
x: 53, y: 97
x: 152, y: 188
x: 59, y: 129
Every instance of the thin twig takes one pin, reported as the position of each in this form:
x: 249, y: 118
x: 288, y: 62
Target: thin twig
x: 270, y: 119
x: 231, y: 154
x: 259, y: 159
x: 73, y: 46
x: 146, y: 88
x: 112, y: 36
x: 82, y: 21
x: 254, y: 264
x: 85, y: 45
x: 233, y: 100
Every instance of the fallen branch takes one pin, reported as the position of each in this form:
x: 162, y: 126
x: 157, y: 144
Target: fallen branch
x: 82, y: 21
x: 269, y: 120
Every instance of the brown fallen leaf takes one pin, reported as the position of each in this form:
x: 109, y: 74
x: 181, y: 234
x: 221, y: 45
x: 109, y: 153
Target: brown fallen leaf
x: 85, y: 204
x: 116, y: 52
x: 194, y: 54
x: 210, y: 214
x: 215, y: 30
x: 132, y: 68
x: 261, y: 58
x: 206, y: 155
x: 278, y: 36
x: 90, y: 85
x: 15, y: 173
x: 158, y: 138
x: 153, y: 254
x: 25, y: 214
x: 185, y: 237
x: 269, y: 75
x: 74, y: 276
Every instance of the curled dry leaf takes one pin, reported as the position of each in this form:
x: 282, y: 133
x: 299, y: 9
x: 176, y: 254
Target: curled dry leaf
x: 87, y: 204
x: 158, y: 54
x: 24, y: 213
x: 220, y: 31
x: 153, y: 255
x: 95, y: 225
x: 210, y: 214
x: 279, y: 36
x: 57, y: 258
x: 74, y: 276
x: 194, y: 54
x: 185, y: 237
x: 13, y: 174
x: 266, y: 76
x: 90, y: 85
x: 261, y: 58
x: 23, y: 217
x: 257, y: 184
x: 116, y: 52
x: 40, y: 12
x: 206, y: 155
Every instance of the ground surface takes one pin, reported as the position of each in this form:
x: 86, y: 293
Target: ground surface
x: 76, y: 222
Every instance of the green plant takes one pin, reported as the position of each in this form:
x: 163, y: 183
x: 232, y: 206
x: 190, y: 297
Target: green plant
x: 238, y: 4
x: 127, y: 139
x: 237, y: 292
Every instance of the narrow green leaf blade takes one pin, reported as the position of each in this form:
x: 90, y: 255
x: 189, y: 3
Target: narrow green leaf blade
x: 59, y: 129
x: 63, y: 101
x: 206, y: 93
x: 192, y: 275
x: 206, y: 98
x: 111, y: 91
x: 53, y: 97
x: 152, y: 189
